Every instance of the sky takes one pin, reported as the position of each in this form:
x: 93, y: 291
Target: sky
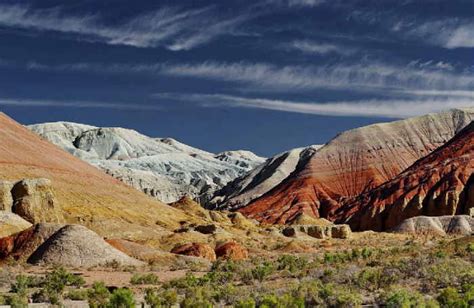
x: 260, y: 75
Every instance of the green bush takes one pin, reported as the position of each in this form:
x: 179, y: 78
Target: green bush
x: 150, y: 278
x: 122, y: 298
x: 246, y: 303
x: 77, y: 295
x: 16, y: 301
x: 98, y: 296
x: 450, y: 297
x: 166, y: 298
x: 262, y: 271
x: 373, y: 279
x: 403, y: 298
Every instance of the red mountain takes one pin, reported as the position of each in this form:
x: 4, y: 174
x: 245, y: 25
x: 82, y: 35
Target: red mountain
x: 355, y: 162
x: 442, y: 183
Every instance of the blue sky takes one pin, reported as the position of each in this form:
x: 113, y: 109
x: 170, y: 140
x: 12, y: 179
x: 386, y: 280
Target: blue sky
x: 265, y: 75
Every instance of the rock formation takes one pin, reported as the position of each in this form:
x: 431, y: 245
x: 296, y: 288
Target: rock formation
x: 6, y: 200
x: 21, y: 245
x: 77, y: 246
x: 231, y: 251
x: 441, y: 183
x: 34, y: 200
x: 260, y: 180
x: 161, y: 167
x: 87, y: 195
x: 319, y: 232
x: 11, y: 223
x: 195, y: 250
x: 355, y: 162
x: 440, y: 225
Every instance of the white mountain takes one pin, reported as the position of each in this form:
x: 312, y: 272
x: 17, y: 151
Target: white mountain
x: 260, y: 180
x: 161, y: 167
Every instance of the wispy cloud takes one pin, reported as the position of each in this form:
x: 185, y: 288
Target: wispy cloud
x: 268, y: 77
x: 74, y: 104
x: 297, y: 3
x: 351, y: 76
x: 311, y: 47
x: 363, y: 108
x: 448, y: 33
x: 176, y: 29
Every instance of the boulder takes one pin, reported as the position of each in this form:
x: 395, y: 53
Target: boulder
x: 232, y: 251
x: 77, y: 246
x: 11, y: 223
x: 206, y: 229
x: 21, y: 245
x: 34, y: 200
x: 320, y: 232
x: 341, y: 231
x: 6, y: 200
x: 241, y: 222
x: 195, y: 250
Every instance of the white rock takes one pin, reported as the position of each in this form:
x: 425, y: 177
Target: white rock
x: 161, y: 167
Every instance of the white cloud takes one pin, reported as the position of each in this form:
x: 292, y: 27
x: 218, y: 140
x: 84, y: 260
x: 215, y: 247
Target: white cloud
x: 74, y: 104
x: 355, y: 76
x: 175, y: 28
x: 448, y: 33
x: 310, y: 47
x: 363, y: 108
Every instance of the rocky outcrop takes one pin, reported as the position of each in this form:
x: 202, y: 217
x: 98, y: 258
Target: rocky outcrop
x: 77, y: 246
x: 442, y: 225
x: 231, y: 251
x: 86, y: 194
x: 6, y: 200
x: 319, y: 232
x: 259, y: 180
x: 161, y: 167
x: 355, y: 162
x: 441, y: 183
x: 11, y: 223
x: 195, y: 250
x: 21, y: 245
x: 34, y: 200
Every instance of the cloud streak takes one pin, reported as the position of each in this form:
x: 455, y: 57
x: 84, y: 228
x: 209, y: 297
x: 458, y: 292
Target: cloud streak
x: 16, y: 102
x: 351, y: 76
x: 176, y: 29
x: 362, y: 108
x: 315, y: 48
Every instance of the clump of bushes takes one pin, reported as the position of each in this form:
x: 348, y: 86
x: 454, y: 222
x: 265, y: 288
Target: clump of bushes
x: 150, y: 279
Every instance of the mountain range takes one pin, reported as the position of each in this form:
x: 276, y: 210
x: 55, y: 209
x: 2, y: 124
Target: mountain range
x: 161, y: 167
x: 366, y: 177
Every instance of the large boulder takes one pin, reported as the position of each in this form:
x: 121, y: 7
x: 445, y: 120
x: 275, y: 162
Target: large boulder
x: 6, y: 200
x: 341, y: 231
x: 77, y: 246
x: 231, y: 251
x: 21, y: 245
x: 11, y: 223
x: 34, y: 200
x: 195, y: 250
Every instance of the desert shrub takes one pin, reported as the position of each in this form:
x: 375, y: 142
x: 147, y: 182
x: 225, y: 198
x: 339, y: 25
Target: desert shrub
x: 54, y: 284
x: 291, y: 263
x: 188, y: 281
x: 451, y: 298
x: 450, y: 272
x: 145, y: 279
x: 122, y: 298
x: 98, y: 296
x: 403, y: 298
x: 16, y: 301
x: 20, y: 286
x: 246, y: 303
x: 262, y: 271
x: 337, y: 296
x: 198, y: 297
x: 373, y: 279
x: 166, y: 298
x: 77, y: 295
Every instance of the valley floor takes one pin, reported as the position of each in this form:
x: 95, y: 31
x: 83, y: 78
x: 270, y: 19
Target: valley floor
x: 369, y: 269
